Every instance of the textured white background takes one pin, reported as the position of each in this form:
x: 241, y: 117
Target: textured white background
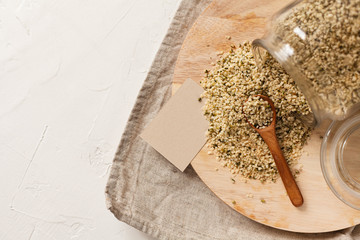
x: 70, y: 71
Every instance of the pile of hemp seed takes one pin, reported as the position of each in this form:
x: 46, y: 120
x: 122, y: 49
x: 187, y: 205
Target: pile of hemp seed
x: 227, y: 86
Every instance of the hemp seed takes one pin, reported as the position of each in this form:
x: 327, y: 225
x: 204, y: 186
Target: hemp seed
x: 235, y: 144
x: 258, y: 112
x: 326, y: 42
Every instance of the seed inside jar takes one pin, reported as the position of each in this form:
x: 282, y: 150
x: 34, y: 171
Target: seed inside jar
x: 325, y: 38
x: 258, y: 112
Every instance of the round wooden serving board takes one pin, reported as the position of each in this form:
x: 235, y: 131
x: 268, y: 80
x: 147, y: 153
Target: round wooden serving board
x: 322, y: 211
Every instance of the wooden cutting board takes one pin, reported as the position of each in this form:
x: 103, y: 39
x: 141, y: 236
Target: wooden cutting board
x: 322, y: 211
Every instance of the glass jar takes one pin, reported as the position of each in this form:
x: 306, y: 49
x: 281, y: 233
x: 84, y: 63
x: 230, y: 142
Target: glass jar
x: 318, y: 44
x: 340, y: 160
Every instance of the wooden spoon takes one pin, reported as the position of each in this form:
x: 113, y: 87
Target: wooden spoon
x: 269, y: 136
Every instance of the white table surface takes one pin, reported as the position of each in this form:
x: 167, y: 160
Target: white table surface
x: 70, y: 71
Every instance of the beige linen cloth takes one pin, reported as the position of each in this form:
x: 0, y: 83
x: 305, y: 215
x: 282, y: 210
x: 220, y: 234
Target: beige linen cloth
x: 147, y: 192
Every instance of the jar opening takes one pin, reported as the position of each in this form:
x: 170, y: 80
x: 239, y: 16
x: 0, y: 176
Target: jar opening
x: 261, y: 47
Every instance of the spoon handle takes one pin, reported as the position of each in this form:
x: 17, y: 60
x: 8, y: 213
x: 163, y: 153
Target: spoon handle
x: 287, y: 178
